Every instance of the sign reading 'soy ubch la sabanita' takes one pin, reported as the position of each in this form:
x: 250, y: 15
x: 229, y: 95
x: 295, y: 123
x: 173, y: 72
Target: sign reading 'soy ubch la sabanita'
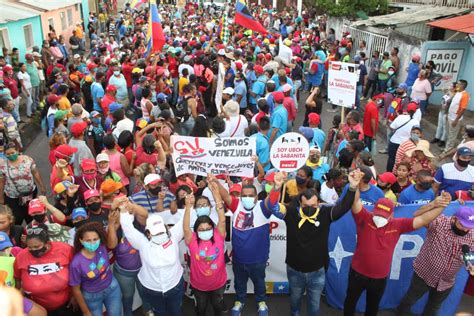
x: 289, y: 152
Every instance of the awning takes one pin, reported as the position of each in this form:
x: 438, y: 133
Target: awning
x: 463, y: 24
x: 14, y: 12
x: 411, y: 16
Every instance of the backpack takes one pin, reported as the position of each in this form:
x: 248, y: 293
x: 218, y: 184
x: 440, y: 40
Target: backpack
x: 181, y: 111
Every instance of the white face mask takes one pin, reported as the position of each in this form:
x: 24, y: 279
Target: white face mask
x: 159, y: 239
x: 379, y: 221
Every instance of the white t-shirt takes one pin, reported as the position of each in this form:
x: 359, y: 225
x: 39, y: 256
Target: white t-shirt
x: 402, y: 126
x: 26, y: 79
x: 235, y: 127
x: 454, y: 107
x: 328, y: 195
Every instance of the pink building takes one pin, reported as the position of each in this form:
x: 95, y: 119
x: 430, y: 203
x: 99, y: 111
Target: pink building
x: 62, y: 15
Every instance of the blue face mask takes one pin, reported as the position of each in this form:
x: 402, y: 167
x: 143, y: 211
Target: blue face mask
x: 91, y: 246
x: 206, y: 234
x: 203, y: 211
x: 97, y: 120
x: 248, y: 202
x: 415, y: 137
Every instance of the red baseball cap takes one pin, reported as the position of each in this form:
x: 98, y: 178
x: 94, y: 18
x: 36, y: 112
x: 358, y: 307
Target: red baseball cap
x: 92, y: 66
x: 64, y: 151
x: 278, y: 96
x: 7, y: 68
x: 53, y: 98
x: 90, y: 193
x: 314, y: 118
x: 235, y: 188
x: 36, y: 207
x: 270, y: 177
x: 412, y: 107
x: 111, y: 88
x: 88, y: 164
x: 258, y: 69
x: 78, y: 129
x: 384, y: 207
x: 387, y: 177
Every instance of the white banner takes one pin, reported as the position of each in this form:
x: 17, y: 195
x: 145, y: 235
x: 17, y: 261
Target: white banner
x: 201, y: 155
x: 289, y: 152
x: 342, y: 83
x: 448, y: 64
x: 220, y: 87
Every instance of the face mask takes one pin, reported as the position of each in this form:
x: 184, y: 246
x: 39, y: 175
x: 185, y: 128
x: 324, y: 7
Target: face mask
x: 159, y: 239
x: 149, y: 150
x: 94, y: 207
x: 415, y: 137
x: 38, y: 252
x: 308, y: 210
x: 379, y: 221
x: 13, y: 157
x: 90, y: 176
x: 457, y: 231
x: 300, y: 180
x: 206, y: 235
x: 248, y: 202
x: 78, y: 224
x: 268, y: 187
x: 461, y: 163
x: 180, y: 203
x: 39, y: 218
x: 425, y: 185
x: 155, y: 191
x: 390, y: 73
x: 103, y: 170
x: 203, y: 211
x: 96, y: 120
x: 116, y: 73
x: 91, y: 246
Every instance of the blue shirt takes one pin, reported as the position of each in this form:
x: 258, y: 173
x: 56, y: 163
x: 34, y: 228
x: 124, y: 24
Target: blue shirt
x: 258, y: 87
x: 279, y: 120
x: 319, y: 138
x: 241, y: 89
x: 263, y: 150
x: 369, y: 197
x: 451, y: 179
x: 412, y: 196
x: 278, y: 86
x: 97, y: 91
x: 413, y: 70
x: 320, y: 171
x: 230, y: 82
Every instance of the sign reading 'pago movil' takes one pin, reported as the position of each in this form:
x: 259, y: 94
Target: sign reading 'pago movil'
x: 289, y: 152
x: 447, y: 63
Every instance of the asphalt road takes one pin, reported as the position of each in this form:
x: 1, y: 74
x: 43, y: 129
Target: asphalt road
x: 279, y: 305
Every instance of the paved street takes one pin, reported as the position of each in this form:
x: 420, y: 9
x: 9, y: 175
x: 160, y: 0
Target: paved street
x: 278, y: 304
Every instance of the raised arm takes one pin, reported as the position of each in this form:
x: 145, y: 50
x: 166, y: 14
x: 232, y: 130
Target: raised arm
x: 57, y: 214
x: 188, y: 233
x: 439, y: 204
x: 112, y: 227
x: 136, y: 238
x: 271, y: 205
x: 222, y: 191
x: 220, y: 208
x: 350, y: 199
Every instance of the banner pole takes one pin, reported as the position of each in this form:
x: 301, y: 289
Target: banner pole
x: 342, y: 114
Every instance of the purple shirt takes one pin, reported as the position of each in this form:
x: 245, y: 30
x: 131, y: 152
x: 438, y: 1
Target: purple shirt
x: 93, y: 275
x: 126, y: 256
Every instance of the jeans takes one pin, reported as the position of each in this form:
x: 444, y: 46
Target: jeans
x: 423, y: 106
x: 358, y: 95
x: 417, y: 289
x: 368, y: 142
x: 256, y: 273
x: 111, y: 297
x: 187, y: 126
x: 127, y: 281
x: 29, y: 101
x: 312, y: 282
x: 35, y: 97
x: 392, y: 152
x: 382, y: 85
x: 371, y: 85
x: 16, y: 109
x: 357, y: 284
x: 203, y: 298
x: 441, y: 130
x: 164, y: 303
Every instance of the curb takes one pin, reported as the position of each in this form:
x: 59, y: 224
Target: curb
x: 29, y: 132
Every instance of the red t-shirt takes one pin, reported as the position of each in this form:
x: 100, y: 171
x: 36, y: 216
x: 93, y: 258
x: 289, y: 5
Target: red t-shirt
x: 375, y: 246
x: 46, y: 279
x: 289, y: 104
x: 54, y: 179
x: 127, y: 69
x: 142, y: 157
x: 106, y: 101
x: 371, y: 112
x: 11, y: 84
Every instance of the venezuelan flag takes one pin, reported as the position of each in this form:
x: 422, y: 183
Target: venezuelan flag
x: 245, y: 18
x: 155, y: 36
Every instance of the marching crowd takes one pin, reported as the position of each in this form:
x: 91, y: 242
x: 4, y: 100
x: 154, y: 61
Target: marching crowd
x: 109, y: 107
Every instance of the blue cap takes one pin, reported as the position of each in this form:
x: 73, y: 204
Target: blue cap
x: 79, y: 211
x: 114, y: 107
x: 5, y: 241
x: 464, y: 151
x: 403, y: 86
x: 357, y: 58
x: 94, y: 114
x: 307, y: 132
x: 161, y: 96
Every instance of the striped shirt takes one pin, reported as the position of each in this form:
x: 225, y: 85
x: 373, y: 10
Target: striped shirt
x: 149, y: 201
x: 11, y: 127
x: 440, y: 257
x: 401, y: 152
x: 451, y: 179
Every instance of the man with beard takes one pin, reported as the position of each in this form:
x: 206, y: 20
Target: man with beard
x: 439, y: 260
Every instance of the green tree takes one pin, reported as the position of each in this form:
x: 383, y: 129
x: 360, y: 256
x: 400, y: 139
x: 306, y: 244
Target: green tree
x: 349, y: 8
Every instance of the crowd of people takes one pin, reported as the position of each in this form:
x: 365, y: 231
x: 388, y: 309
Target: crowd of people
x: 109, y: 107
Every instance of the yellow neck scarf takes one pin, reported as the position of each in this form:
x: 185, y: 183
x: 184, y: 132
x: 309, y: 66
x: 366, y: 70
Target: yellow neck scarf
x: 304, y: 217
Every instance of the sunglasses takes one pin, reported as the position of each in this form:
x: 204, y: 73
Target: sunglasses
x: 34, y: 231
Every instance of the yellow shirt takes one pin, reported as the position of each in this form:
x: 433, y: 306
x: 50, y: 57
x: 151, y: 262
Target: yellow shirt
x: 64, y: 104
x: 181, y: 83
x: 102, y: 17
x: 79, y: 32
x: 390, y: 195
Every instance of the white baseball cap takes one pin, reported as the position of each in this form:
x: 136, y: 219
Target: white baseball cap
x: 152, y: 178
x: 102, y: 157
x: 155, y: 224
x: 228, y: 90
